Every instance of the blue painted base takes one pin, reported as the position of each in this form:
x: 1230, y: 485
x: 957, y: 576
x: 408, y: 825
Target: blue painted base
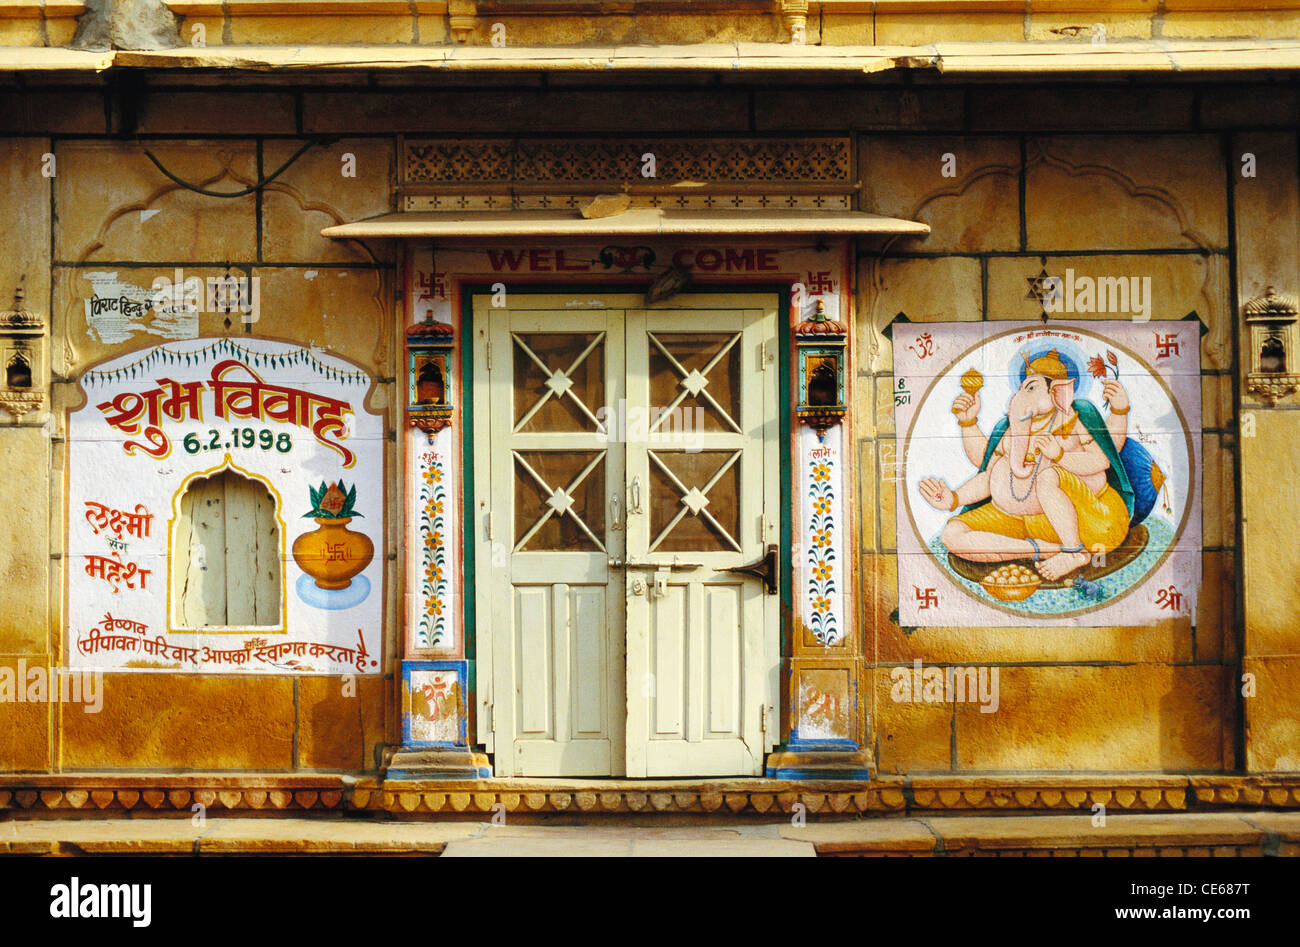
x: 332, y: 599
x: 821, y: 760
x: 782, y: 772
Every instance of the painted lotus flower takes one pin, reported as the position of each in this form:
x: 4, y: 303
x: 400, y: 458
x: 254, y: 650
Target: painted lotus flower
x: 1098, y: 369
x: 332, y: 501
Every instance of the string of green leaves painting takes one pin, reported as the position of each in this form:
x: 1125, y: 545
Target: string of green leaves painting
x: 433, y: 502
x: 821, y: 554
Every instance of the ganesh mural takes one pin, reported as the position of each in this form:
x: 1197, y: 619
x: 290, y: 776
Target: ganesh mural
x: 1048, y: 474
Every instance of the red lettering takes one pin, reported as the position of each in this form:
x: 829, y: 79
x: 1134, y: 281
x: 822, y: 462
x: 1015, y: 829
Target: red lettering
x: 680, y: 258
x: 708, y: 260
x: 767, y: 260
x: 539, y: 260
x: 740, y: 259
x: 560, y: 263
x: 500, y: 258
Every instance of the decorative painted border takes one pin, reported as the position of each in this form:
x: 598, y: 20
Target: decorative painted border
x: 161, y: 355
x: 462, y: 709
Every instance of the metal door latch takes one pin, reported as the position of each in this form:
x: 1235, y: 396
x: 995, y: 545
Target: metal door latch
x: 765, y: 569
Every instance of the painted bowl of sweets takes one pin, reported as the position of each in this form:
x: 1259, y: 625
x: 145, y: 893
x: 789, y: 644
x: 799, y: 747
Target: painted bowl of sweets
x: 1011, y: 582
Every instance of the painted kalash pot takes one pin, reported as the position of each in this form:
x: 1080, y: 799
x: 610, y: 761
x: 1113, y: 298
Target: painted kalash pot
x: 333, y: 556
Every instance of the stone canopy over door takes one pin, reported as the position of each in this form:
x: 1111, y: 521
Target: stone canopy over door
x: 625, y: 458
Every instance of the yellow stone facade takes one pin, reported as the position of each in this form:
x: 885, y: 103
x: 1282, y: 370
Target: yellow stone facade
x: 1143, y: 179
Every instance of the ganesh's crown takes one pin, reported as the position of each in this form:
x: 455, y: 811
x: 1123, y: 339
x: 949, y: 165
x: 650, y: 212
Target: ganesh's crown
x: 1049, y: 365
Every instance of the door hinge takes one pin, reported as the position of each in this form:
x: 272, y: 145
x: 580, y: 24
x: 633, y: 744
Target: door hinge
x: 492, y: 716
x: 762, y: 356
x: 762, y: 720
x: 489, y: 526
x: 487, y: 357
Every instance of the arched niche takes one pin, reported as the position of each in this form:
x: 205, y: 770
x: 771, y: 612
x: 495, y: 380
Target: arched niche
x: 226, y: 564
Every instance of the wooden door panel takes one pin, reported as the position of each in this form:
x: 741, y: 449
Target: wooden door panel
x: 612, y: 641
x: 723, y: 607
x: 699, y: 633
x: 555, y: 605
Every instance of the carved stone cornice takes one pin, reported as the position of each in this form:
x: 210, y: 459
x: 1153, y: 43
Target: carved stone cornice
x: 752, y: 798
x: 1272, y: 388
x: 18, y: 403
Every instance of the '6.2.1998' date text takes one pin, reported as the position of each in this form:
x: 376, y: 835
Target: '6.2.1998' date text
x: 238, y: 437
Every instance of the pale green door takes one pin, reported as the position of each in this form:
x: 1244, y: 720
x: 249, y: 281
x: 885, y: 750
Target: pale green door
x: 623, y: 459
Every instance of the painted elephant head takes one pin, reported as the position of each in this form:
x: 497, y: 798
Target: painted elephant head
x: 1047, y: 387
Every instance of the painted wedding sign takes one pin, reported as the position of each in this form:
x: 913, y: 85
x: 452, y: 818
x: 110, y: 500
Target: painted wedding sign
x: 1049, y: 476
x: 225, y: 509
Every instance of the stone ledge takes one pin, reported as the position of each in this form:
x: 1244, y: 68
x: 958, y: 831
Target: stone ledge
x: 1225, y: 834
x: 179, y: 836
x: 74, y: 795
x: 1184, y: 834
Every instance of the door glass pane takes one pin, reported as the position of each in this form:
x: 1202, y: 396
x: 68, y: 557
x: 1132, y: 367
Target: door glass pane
x: 695, y: 501
x: 698, y: 373
x: 559, y: 501
x: 559, y: 380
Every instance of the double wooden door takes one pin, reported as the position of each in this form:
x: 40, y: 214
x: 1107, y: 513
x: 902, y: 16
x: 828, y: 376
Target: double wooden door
x: 625, y: 458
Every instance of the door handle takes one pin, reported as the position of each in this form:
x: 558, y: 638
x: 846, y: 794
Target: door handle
x: 675, y: 564
x: 634, y: 496
x: 615, y: 522
x: 765, y: 569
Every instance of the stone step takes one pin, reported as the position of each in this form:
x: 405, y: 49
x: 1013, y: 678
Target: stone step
x: 1241, y: 833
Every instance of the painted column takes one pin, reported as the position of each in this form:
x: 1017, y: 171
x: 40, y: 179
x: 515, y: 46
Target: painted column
x: 435, y: 672
x: 824, y: 712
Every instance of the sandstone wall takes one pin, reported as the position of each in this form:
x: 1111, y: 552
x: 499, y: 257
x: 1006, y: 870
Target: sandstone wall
x: 1103, y: 180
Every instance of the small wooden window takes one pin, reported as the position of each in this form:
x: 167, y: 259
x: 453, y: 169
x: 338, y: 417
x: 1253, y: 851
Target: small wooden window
x: 225, y: 569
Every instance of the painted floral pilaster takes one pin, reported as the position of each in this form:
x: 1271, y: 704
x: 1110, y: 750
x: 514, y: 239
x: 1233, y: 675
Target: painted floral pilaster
x: 430, y: 624
x: 823, y: 691
x: 823, y: 522
x: 435, y: 678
